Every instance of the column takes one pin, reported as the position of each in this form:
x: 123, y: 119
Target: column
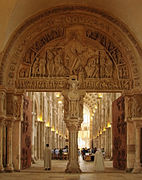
x: 63, y: 142
x: 73, y: 117
x: 53, y: 133
x: 9, y: 166
x: 130, y: 146
x: 137, y: 164
x: 35, y: 141
x: 1, y: 146
x: 57, y: 140
x: 110, y: 137
x: 49, y: 136
x: 99, y: 141
x: 4, y: 145
x: 38, y: 140
x: 107, y: 143
x: 42, y: 141
x: 103, y: 140
x: 60, y: 142
x: 133, y: 116
x: 2, y: 117
x: 16, y: 132
x: 16, y: 144
x: 73, y: 164
x: 33, y: 137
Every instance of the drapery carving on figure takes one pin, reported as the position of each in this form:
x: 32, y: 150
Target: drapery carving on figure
x: 59, y: 62
x: 74, y: 96
x: 50, y: 64
x: 73, y: 57
x: 24, y: 72
x: 100, y: 66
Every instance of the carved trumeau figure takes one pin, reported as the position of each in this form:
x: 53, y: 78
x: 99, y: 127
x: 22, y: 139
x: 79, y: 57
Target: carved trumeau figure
x: 74, y: 96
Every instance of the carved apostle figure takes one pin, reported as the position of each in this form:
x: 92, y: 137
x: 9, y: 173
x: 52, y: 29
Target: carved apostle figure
x: 42, y: 64
x: 74, y: 96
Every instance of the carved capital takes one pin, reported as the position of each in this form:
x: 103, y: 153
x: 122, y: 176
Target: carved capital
x: 1, y: 122
x: 9, y: 123
x: 73, y: 124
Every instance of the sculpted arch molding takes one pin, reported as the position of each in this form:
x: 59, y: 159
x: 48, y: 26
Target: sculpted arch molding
x: 71, y: 41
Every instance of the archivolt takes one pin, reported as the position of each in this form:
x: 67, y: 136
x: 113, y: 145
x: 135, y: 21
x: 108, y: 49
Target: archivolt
x: 53, y: 31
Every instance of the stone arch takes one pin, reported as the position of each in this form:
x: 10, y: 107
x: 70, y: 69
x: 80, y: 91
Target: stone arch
x: 57, y: 30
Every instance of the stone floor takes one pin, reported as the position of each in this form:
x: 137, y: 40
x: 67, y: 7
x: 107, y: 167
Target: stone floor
x: 37, y: 172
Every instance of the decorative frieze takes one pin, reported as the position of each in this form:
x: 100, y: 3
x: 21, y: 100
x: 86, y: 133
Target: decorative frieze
x: 59, y: 84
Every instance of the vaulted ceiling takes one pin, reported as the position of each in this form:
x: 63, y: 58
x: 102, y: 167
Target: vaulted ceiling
x: 15, y: 12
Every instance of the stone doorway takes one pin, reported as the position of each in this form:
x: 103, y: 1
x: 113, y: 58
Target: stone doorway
x: 78, y: 44
x: 101, y: 100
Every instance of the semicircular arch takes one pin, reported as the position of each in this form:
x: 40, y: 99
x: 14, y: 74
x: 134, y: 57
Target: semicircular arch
x: 71, y: 41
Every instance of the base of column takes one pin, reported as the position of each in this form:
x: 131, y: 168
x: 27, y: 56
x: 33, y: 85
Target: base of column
x: 137, y: 168
x: 129, y: 170
x: 9, y: 168
x: 73, y: 167
x: 17, y: 170
x: 1, y: 169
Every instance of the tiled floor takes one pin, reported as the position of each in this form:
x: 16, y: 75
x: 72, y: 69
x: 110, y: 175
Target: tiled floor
x: 37, y: 172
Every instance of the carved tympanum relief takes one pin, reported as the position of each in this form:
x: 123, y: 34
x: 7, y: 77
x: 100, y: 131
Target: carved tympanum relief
x: 98, y: 59
x: 74, y: 57
x: 112, y: 66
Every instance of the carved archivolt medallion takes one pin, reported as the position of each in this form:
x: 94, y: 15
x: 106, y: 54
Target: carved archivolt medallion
x: 51, y: 47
